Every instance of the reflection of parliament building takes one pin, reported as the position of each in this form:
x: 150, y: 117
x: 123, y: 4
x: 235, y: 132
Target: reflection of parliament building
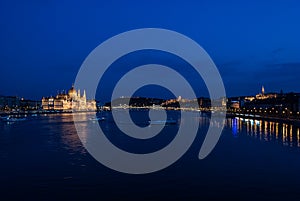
x: 69, y: 101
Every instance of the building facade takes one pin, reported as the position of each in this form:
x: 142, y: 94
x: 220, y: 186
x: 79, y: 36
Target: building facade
x: 262, y: 95
x: 69, y: 101
x: 15, y: 103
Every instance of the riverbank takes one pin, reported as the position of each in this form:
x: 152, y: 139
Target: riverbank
x: 228, y: 115
x: 264, y: 117
x: 33, y: 112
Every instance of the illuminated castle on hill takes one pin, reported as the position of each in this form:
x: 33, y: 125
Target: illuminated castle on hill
x: 69, y: 101
x: 263, y: 96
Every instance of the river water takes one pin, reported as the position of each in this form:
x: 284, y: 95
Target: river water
x: 42, y: 158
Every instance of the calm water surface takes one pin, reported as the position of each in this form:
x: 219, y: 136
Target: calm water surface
x: 42, y: 158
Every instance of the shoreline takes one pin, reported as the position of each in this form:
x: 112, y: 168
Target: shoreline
x: 268, y: 118
x: 228, y: 115
x: 42, y: 112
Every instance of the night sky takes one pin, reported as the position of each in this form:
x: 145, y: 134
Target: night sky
x: 253, y: 43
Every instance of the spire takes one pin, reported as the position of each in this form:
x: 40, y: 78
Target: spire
x: 84, y: 96
x: 78, y: 94
x: 263, y: 90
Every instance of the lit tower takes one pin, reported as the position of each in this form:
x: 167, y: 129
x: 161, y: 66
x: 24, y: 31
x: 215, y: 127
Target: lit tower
x: 262, y: 90
x: 84, y: 96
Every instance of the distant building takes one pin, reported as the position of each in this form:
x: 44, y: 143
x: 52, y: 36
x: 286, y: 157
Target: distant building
x: 261, y: 100
x: 69, y: 101
x: 26, y: 104
x: 9, y: 102
x: 249, y: 98
x: 15, y: 103
x: 235, y: 105
x: 262, y: 95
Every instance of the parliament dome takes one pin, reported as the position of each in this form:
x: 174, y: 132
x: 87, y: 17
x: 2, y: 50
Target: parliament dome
x: 72, y: 91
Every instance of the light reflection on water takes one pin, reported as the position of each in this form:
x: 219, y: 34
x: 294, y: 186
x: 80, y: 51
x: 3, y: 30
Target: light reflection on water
x: 45, y: 153
x: 59, y: 128
x: 285, y: 133
x: 60, y: 133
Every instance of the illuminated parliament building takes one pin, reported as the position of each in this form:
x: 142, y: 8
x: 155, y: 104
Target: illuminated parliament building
x: 69, y: 101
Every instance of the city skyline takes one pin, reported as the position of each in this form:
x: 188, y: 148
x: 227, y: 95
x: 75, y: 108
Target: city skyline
x: 260, y: 91
x: 44, y: 44
x: 150, y: 100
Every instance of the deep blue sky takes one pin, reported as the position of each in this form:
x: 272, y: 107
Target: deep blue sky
x: 43, y: 43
